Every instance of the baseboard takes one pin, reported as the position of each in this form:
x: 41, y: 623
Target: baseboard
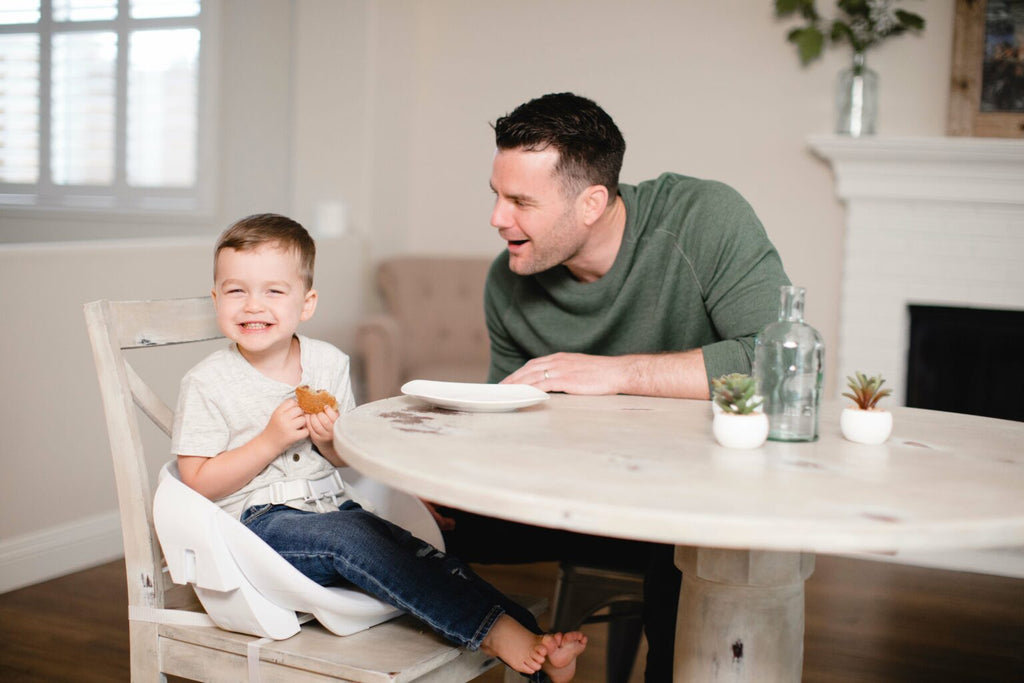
x: 67, y: 548
x: 59, y: 550
x: 997, y: 561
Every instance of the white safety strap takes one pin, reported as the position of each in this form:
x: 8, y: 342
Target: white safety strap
x: 175, y: 617
x: 252, y: 651
x: 180, y: 617
x: 307, y: 490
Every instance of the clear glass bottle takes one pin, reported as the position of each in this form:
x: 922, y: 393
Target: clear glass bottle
x: 857, y: 99
x: 789, y: 364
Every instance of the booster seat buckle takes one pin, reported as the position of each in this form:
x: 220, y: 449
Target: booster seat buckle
x: 307, y: 490
x: 331, y: 485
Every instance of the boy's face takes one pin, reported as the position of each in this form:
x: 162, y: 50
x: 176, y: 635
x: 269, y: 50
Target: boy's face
x: 261, y: 298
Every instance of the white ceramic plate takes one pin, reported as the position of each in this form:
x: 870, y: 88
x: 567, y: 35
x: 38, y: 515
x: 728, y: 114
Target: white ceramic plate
x: 480, y: 398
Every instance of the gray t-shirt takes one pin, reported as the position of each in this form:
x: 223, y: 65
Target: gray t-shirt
x: 224, y: 403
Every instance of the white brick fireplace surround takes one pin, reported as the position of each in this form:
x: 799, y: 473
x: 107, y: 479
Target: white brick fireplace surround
x: 931, y: 221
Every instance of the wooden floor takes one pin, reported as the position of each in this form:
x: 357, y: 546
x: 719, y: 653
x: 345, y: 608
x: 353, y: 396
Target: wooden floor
x: 866, y: 621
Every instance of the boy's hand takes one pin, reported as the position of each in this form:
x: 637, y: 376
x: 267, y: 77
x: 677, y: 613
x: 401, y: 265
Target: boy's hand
x: 287, y: 425
x: 321, y: 425
x: 321, y: 432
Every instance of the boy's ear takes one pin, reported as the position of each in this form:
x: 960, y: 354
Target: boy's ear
x: 309, y: 305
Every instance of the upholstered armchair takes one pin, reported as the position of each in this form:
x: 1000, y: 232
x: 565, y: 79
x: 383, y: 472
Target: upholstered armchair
x: 432, y: 326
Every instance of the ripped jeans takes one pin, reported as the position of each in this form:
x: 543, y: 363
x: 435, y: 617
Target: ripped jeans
x: 388, y: 562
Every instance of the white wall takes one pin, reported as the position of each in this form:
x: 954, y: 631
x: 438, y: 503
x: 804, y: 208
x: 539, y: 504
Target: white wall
x: 384, y: 106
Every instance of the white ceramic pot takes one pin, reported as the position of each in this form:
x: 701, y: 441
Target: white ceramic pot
x: 740, y: 431
x: 866, y: 426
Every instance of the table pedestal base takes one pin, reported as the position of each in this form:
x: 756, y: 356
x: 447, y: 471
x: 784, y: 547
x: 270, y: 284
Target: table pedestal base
x: 741, y: 615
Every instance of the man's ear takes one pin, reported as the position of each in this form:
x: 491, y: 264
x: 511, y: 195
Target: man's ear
x: 309, y: 305
x: 594, y: 200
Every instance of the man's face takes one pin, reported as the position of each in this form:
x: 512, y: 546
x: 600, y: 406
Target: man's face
x: 532, y: 214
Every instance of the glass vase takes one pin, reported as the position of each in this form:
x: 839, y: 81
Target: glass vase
x: 789, y: 364
x: 857, y: 99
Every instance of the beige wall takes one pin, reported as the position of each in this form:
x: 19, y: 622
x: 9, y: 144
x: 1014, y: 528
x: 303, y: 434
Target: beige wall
x: 383, y: 106
x: 710, y: 89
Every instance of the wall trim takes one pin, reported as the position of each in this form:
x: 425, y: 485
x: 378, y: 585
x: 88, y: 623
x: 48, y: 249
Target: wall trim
x: 58, y: 550
x: 67, y: 548
x: 1007, y: 562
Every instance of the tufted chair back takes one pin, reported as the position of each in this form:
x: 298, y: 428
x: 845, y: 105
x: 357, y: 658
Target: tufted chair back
x: 433, y: 325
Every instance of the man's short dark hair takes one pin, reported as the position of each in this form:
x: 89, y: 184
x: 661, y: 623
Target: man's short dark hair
x: 589, y: 144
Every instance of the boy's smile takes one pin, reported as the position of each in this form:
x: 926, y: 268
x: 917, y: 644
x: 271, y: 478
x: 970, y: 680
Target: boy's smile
x: 261, y: 298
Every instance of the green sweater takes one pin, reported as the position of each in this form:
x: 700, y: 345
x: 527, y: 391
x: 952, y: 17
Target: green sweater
x: 695, y: 269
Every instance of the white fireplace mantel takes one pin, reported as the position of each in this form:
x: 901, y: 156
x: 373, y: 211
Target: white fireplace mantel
x: 939, y: 169
x: 929, y: 221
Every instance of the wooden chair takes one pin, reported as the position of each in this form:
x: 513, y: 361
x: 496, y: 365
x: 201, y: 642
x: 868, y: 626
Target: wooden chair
x: 168, y: 632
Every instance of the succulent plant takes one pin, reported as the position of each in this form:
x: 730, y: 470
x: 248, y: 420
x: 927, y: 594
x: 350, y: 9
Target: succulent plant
x: 734, y: 393
x: 866, y: 391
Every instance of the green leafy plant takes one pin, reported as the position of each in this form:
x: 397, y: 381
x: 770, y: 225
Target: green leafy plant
x: 866, y: 391
x: 735, y: 393
x: 862, y: 23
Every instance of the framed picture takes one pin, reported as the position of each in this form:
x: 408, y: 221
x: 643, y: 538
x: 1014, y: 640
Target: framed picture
x: 986, y: 96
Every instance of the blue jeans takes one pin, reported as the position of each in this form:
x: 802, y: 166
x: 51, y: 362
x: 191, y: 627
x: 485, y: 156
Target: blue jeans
x: 388, y: 562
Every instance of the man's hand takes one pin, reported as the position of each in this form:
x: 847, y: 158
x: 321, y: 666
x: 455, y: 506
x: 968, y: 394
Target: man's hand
x: 679, y: 374
x: 574, y: 373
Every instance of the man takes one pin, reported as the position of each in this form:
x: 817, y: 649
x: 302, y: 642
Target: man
x: 652, y: 289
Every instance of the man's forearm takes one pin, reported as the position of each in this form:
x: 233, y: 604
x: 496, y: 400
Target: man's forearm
x: 679, y: 374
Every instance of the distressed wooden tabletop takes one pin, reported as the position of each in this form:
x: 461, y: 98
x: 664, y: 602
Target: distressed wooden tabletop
x: 650, y: 469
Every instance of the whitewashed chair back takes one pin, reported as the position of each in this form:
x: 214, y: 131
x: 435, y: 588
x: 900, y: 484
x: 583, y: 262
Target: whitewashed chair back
x: 114, y: 327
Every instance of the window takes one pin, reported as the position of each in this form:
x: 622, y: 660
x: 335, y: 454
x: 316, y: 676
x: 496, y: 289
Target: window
x: 100, y: 104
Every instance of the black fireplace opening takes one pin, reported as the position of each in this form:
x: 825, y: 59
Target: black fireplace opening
x: 966, y: 360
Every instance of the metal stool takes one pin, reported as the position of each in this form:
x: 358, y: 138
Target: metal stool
x: 583, y: 590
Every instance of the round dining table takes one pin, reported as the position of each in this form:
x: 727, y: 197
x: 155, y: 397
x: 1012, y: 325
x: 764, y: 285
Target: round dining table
x: 746, y: 523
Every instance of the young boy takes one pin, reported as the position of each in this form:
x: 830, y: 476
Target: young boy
x: 238, y: 429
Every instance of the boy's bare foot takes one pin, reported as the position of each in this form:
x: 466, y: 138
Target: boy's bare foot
x: 562, y: 653
x: 520, y: 649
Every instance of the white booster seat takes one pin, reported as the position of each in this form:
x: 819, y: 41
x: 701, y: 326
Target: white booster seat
x: 245, y: 586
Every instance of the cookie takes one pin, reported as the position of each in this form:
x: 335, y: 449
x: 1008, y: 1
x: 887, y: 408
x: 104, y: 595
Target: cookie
x: 314, y: 401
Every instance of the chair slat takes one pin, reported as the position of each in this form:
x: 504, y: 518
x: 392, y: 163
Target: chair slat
x: 148, y: 401
x: 168, y: 321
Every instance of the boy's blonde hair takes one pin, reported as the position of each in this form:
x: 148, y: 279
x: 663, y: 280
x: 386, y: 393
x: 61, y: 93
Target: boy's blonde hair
x: 270, y: 228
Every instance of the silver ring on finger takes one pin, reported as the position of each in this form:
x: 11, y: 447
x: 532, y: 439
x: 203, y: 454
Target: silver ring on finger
x: 546, y: 375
